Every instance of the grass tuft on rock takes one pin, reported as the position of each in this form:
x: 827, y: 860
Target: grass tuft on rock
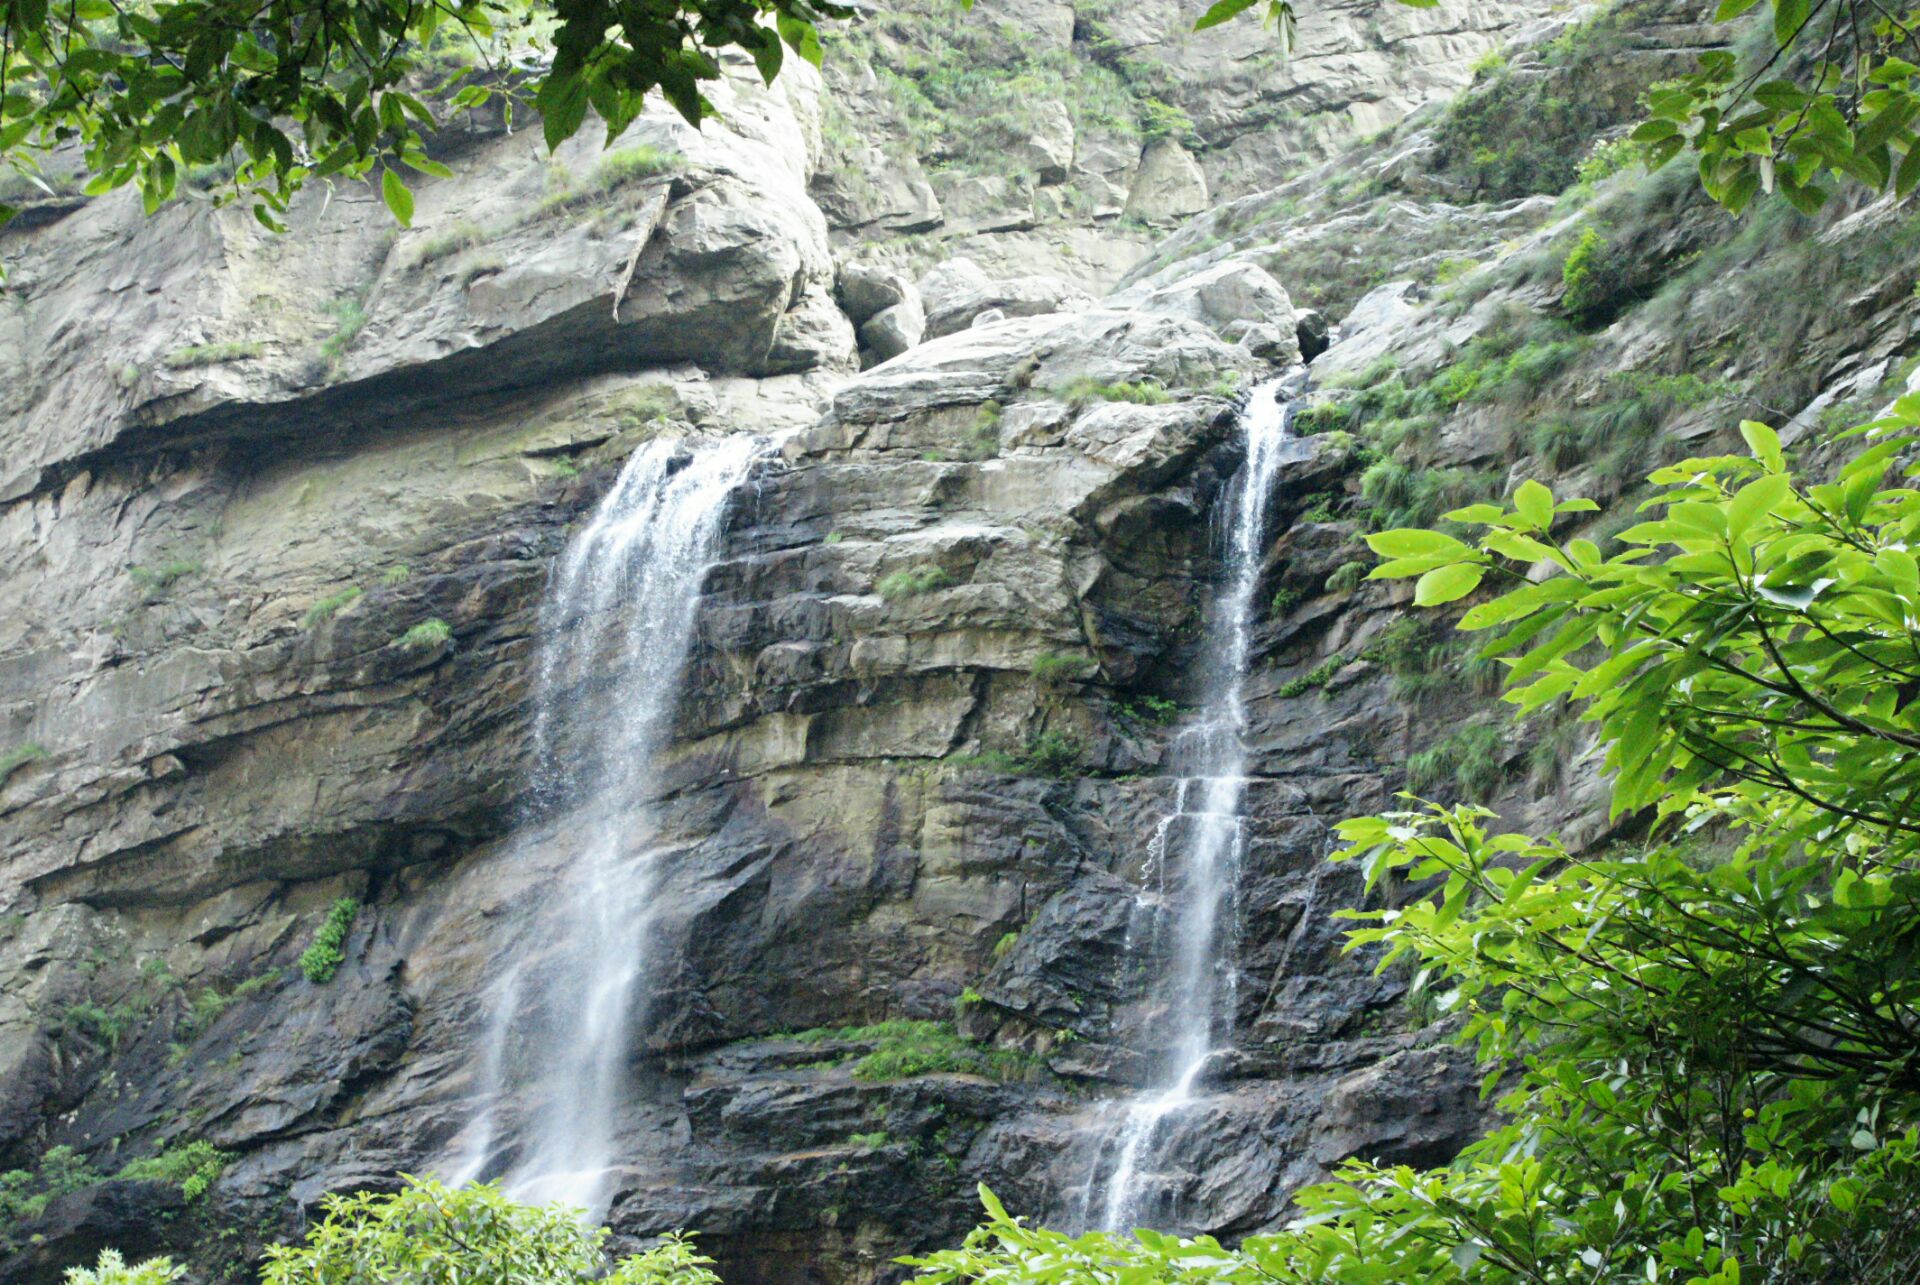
x: 19, y: 756
x: 210, y: 354
x: 329, y: 607
x: 427, y: 634
x: 1086, y: 390
x: 903, y: 1048
x: 924, y: 578
x: 155, y: 582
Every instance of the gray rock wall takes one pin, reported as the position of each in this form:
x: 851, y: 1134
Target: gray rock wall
x: 241, y: 472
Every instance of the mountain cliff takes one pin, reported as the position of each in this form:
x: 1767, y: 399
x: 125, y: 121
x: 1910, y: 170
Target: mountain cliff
x: 277, y: 515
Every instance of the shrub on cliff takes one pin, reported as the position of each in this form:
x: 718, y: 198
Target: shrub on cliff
x: 112, y: 1269
x: 320, y: 961
x: 1707, y: 1035
x: 430, y: 1234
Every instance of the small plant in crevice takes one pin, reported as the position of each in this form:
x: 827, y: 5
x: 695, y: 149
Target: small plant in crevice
x: 868, y: 1141
x: 328, y: 607
x: 1004, y: 947
x: 1347, y: 577
x: 1155, y: 710
x: 154, y: 583
x: 1285, y: 599
x: 1056, y: 754
x: 192, y: 1166
x: 205, y: 1008
x: 1059, y: 668
x: 1086, y: 390
x: 1468, y: 763
x: 397, y: 574
x: 1317, y: 677
x: 983, y: 435
x: 1593, y: 278
x: 103, y: 1024
x: 902, y: 1048
x: 1553, y: 752
x: 464, y: 234
x: 923, y: 578
x: 425, y: 635
x: 211, y: 354
x: 1321, y: 506
x: 321, y: 960
x: 349, y: 313
x: 19, y: 756
x: 614, y: 170
x: 25, y: 1193
x: 1321, y: 417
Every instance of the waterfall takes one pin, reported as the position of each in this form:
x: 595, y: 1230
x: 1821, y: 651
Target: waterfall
x: 613, y: 635
x: 1206, y: 829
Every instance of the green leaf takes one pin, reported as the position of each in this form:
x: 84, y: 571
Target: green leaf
x: 1535, y: 503
x: 1446, y: 584
x: 1223, y: 11
x: 397, y: 197
x: 1753, y: 500
x: 562, y: 101
x: 1789, y: 16
x: 1764, y: 443
x: 1416, y: 543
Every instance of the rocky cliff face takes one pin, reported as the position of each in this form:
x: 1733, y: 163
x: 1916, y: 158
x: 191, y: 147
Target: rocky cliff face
x: 277, y: 513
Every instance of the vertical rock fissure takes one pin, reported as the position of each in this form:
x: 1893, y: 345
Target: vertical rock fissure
x: 1194, y: 904
x: 570, y: 1002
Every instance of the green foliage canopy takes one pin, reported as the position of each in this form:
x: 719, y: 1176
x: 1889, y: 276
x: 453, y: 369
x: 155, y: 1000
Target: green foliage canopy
x: 312, y: 89
x: 430, y: 1234
x: 301, y: 90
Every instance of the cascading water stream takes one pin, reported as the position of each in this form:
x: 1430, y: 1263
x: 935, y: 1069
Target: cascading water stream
x: 614, y: 631
x: 1207, y: 831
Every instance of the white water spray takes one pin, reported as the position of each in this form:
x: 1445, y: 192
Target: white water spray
x: 614, y: 631
x: 1196, y: 997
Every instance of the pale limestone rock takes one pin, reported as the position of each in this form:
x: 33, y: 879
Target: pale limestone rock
x: 866, y: 289
x: 985, y: 202
x: 892, y: 331
x: 1047, y: 152
x: 1168, y: 186
x: 956, y: 308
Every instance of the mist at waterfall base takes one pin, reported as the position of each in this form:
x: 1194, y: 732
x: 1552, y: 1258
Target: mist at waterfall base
x: 1188, y: 903
x: 569, y: 1006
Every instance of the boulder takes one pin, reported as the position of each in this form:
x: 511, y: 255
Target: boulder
x: 986, y: 202
x: 865, y: 290
x: 874, y: 189
x: 892, y: 331
x: 1104, y: 164
x: 949, y: 280
x: 1047, y: 152
x: 1310, y: 328
x: 1267, y: 342
x: 1019, y: 297
x: 813, y: 335
x: 1374, y: 327
x: 1169, y: 185
x: 1235, y: 299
